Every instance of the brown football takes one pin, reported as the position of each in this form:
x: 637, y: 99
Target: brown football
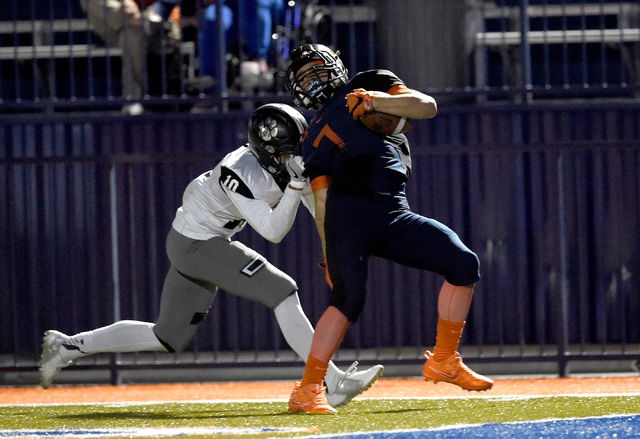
x: 384, y: 123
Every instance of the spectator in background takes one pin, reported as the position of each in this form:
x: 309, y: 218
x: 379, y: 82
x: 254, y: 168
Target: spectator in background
x: 137, y: 30
x: 250, y: 34
x: 248, y: 26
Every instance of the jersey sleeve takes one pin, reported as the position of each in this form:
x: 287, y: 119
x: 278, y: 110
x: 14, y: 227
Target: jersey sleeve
x: 271, y: 224
x: 314, y: 171
x: 231, y: 182
x: 316, y: 159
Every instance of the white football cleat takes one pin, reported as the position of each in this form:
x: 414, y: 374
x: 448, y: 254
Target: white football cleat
x: 352, y: 384
x: 53, y: 356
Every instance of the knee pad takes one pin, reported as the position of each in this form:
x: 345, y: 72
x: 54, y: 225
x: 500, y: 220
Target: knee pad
x: 175, y: 339
x: 467, y: 269
x: 351, y: 308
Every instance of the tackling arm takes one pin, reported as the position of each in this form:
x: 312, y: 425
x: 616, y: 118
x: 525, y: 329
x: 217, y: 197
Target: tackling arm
x: 272, y: 224
x: 308, y: 200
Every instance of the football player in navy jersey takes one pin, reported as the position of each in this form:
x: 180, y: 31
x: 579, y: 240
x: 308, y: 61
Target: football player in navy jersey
x: 358, y: 179
x: 259, y: 183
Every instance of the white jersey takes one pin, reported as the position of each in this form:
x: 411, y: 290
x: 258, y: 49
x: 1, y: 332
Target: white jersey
x: 238, y: 190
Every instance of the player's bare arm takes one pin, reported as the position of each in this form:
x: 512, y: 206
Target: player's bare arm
x: 320, y: 197
x: 408, y: 103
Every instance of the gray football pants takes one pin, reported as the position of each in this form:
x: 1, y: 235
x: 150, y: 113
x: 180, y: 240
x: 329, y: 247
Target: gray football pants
x: 198, y: 269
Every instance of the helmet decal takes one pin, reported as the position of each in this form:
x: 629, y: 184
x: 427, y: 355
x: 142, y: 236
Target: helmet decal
x: 267, y: 130
x: 274, y: 132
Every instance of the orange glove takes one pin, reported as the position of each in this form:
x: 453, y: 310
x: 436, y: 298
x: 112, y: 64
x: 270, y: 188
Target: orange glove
x: 323, y: 265
x: 359, y: 101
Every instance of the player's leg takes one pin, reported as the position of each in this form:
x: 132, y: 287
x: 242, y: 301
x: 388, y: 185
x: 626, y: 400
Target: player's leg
x: 298, y: 332
x: 241, y: 271
x: 182, y: 300
x: 346, y: 244
x: 342, y: 387
x: 251, y: 276
x: 445, y: 363
x: 122, y: 336
x: 59, y: 350
x: 183, y: 306
x: 424, y: 243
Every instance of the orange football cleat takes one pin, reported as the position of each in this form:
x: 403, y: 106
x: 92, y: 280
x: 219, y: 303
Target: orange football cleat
x: 454, y: 371
x: 309, y: 399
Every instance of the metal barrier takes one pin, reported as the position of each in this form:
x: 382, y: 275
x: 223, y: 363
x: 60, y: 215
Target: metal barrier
x: 52, y: 60
x: 51, y: 57
x: 544, y: 194
x: 549, y: 45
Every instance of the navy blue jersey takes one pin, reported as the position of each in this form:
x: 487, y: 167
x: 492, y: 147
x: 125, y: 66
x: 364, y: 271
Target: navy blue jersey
x: 367, y: 212
x: 359, y: 161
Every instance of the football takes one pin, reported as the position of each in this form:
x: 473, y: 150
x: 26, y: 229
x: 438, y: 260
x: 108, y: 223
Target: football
x: 384, y: 123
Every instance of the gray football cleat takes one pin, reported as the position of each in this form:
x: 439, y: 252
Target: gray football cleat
x: 353, y: 383
x: 53, y: 357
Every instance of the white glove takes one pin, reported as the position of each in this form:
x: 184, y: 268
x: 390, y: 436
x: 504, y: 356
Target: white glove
x: 295, y: 167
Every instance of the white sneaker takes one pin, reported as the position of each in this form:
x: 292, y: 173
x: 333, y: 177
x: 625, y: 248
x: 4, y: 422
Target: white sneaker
x: 53, y: 356
x: 353, y: 383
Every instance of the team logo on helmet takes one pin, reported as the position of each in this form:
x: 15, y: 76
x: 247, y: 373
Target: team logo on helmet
x: 267, y: 130
x: 274, y: 131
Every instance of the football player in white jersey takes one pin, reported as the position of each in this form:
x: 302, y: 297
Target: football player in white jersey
x: 260, y: 183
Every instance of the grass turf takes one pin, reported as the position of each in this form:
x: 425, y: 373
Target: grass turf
x: 359, y: 416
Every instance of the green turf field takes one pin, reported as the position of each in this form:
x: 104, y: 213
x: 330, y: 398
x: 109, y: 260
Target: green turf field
x: 361, y: 415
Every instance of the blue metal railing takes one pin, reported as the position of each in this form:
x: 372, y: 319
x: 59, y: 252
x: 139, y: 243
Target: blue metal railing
x: 51, y: 59
x: 544, y: 194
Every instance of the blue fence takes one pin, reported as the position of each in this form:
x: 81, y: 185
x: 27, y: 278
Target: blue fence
x: 545, y: 191
x: 554, y: 44
x: 546, y: 195
x: 52, y: 58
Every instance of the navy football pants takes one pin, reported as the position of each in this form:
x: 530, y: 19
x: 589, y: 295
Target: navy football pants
x: 356, y: 228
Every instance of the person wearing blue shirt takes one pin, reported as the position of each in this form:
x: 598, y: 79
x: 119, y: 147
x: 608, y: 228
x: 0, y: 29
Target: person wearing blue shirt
x: 247, y: 24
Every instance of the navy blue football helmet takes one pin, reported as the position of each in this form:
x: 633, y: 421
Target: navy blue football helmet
x: 326, y: 75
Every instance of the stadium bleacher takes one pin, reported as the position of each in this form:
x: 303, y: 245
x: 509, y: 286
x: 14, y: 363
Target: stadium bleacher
x: 48, y: 51
x: 569, y: 43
